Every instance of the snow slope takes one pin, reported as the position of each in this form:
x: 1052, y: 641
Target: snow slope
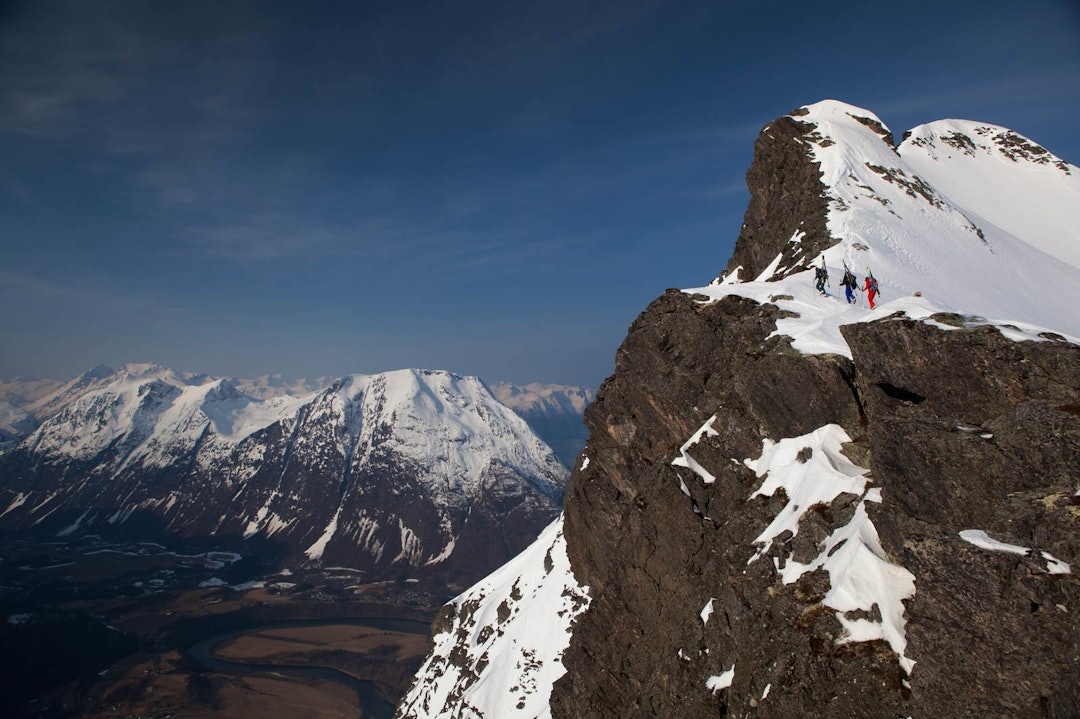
x: 1001, y: 179
x: 516, y: 623
x: 924, y: 224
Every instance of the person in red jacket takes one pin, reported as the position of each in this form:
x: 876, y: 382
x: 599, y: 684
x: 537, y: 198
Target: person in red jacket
x: 871, y: 290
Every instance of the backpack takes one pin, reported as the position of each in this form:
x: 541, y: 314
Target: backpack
x: 849, y: 279
x: 873, y: 284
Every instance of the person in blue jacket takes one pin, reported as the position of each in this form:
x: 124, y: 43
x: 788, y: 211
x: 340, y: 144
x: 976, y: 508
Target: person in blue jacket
x: 850, y: 284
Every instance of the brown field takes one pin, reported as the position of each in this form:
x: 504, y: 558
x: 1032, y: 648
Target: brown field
x: 150, y: 597
x: 161, y: 687
x: 278, y: 646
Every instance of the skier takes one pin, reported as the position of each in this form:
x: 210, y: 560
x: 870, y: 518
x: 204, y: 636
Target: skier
x: 821, y: 276
x: 871, y: 289
x: 850, y: 284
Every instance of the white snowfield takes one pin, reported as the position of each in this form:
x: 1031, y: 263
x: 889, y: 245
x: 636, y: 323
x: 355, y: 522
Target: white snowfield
x: 508, y: 639
x: 449, y: 428
x: 914, y: 216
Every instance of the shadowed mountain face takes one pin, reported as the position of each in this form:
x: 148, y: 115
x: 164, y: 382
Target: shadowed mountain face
x: 408, y: 471
x: 553, y: 411
x: 794, y: 506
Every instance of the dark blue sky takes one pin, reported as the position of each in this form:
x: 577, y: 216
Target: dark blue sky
x: 493, y: 188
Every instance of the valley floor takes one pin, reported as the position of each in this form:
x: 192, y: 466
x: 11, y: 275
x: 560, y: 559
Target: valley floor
x: 98, y: 629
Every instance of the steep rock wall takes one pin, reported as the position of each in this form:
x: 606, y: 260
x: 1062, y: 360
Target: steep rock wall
x: 780, y: 208
x: 959, y: 429
x: 962, y: 429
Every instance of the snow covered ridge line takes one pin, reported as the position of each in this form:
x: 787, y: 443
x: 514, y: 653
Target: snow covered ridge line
x: 399, y: 468
x: 156, y: 413
x: 501, y: 653
x: 955, y: 220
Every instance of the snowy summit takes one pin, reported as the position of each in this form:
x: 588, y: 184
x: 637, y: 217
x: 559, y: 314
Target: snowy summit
x: 962, y: 217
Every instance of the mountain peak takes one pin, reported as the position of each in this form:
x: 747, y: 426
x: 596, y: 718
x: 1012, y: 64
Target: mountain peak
x: 801, y: 503
x: 945, y: 138
x: 958, y: 208
x: 834, y: 113
x: 409, y: 468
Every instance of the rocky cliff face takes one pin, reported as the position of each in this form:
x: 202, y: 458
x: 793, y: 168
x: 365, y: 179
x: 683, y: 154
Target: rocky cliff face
x: 792, y: 506
x: 960, y: 430
x: 409, y: 471
x: 962, y: 434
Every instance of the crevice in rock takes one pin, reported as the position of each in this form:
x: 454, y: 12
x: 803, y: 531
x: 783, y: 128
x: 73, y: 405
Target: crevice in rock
x: 901, y: 394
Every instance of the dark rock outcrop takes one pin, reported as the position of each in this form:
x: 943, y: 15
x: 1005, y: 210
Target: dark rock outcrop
x: 992, y: 442
x: 780, y: 206
x: 961, y: 429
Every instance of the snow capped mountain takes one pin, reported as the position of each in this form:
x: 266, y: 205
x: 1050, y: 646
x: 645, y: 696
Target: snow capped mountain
x: 1001, y: 179
x: 409, y: 468
x: 964, y: 231
x: 794, y: 506
x: 15, y: 423
x: 22, y: 391
x: 520, y: 616
x: 538, y: 399
x: 554, y: 412
x: 275, y: 385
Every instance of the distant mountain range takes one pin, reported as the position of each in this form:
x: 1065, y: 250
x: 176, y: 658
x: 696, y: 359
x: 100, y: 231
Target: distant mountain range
x: 412, y: 470
x: 554, y: 411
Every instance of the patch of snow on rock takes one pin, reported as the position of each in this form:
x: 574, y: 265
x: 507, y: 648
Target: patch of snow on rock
x: 860, y: 574
x: 982, y: 540
x: 723, y: 681
x: 685, y: 460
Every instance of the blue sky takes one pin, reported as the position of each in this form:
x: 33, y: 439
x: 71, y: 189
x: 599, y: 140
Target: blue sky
x: 492, y: 188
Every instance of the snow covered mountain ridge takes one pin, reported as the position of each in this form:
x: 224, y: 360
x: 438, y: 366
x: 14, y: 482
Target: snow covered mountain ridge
x: 793, y: 506
x: 398, y: 468
x: 963, y: 217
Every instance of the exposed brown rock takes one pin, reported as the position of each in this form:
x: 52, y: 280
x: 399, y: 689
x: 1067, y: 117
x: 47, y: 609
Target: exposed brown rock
x: 961, y: 429
x: 781, y: 204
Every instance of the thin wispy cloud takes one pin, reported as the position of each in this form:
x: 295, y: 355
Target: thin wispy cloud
x: 87, y: 292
